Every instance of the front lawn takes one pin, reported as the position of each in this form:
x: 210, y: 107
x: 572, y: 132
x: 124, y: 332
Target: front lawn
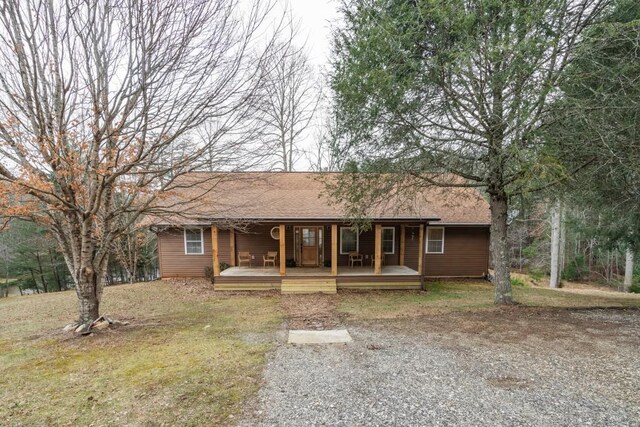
x: 469, y: 295
x: 189, y: 357
x: 194, y: 357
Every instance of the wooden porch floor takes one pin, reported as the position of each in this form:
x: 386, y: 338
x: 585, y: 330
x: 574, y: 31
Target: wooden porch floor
x: 389, y: 270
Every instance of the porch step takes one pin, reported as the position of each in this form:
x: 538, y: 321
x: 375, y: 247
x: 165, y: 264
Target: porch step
x: 308, y: 286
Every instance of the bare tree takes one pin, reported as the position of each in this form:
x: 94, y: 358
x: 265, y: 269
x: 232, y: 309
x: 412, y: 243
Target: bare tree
x: 628, y: 270
x: 322, y: 156
x: 288, y: 100
x: 99, y: 106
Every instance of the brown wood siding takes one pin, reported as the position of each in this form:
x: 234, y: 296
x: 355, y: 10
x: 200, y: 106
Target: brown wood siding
x: 174, y: 262
x: 412, y: 247
x: 258, y: 241
x: 223, y: 246
x: 466, y: 250
x: 466, y: 253
x: 366, y: 247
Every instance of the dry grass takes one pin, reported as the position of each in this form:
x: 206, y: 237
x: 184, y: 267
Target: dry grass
x: 456, y: 296
x: 189, y: 357
x: 192, y: 357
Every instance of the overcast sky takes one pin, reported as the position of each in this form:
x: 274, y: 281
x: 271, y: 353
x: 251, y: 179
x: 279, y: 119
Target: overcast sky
x: 315, y: 18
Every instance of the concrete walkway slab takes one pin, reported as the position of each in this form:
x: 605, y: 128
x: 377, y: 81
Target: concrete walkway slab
x: 335, y: 336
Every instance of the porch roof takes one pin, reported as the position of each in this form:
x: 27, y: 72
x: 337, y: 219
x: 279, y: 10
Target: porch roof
x: 201, y: 198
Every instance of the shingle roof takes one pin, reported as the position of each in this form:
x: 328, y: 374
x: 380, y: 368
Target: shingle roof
x: 256, y: 196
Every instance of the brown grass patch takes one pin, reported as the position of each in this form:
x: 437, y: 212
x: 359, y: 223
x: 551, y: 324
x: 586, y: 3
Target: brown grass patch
x: 184, y: 359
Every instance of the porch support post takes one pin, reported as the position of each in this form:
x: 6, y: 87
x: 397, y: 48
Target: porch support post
x: 232, y: 247
x: 378, y: 250
x: 283, y: 253
x: 421, y: 250
x: 214, y: 250
x: 402, y: 244
x: 334, y: 249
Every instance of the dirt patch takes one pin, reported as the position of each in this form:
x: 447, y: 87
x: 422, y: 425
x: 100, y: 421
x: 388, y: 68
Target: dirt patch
x: 508, y: 383
x: 533, y: 329
x: 190, y: 287
x: 314, y: 311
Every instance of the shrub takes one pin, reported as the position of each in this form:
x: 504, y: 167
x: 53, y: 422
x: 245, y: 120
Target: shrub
x: 224, y: 266
x: 290, y: 262
x: 517, y: 283
x: 576, y: 269
x: 208, y: 273
x: 327, y: 263
x: 536, y: 275
x: 530, y: 252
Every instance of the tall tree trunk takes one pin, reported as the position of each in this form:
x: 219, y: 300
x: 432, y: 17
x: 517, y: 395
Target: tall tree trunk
x: 35, y: 282
x: 563, y: 237
x: 500, y: 249
x: 554, y: 280
x: 56, y: 275
x: 628, y: 270
x: 88, y: 289
x: 41, y: 273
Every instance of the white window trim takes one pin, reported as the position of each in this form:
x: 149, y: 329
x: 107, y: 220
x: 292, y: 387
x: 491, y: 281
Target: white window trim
x: 357, y: 240
x: 201, y: 240
x: 393, y: 240
x: 426, y: 249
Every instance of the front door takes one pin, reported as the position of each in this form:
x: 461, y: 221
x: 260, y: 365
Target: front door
x: 309, y: 249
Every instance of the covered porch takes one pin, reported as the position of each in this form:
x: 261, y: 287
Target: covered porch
x: 390, y: 270
x: 319, y: 248
x: 298, y: 257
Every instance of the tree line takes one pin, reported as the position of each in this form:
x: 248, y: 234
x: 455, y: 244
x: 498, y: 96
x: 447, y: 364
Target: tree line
x: 33, y: 262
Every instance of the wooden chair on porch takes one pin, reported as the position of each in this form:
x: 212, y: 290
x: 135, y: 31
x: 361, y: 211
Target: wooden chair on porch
x: 244, y: 257
x: 270, y: 258
x: 355, y: 257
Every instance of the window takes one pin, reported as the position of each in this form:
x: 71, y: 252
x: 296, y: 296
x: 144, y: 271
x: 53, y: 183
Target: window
x: 309, y: 236
x: 193, y: 241
x: 388, y: 240
x: 435, y: 240
x: 348, y: 240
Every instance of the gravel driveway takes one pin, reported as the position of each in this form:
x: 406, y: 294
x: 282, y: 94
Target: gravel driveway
x: 537, y: 368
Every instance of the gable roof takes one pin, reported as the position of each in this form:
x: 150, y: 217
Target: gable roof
x: 205, y: 197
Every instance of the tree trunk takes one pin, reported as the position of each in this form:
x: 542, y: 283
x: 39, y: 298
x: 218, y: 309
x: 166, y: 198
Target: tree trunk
x: 54, y: 268
x: 89, y: 302
x: 563, y: 238
x: 89, y: 291
x: 42, y: 279
x: 89, y: 308
x: 554, y: 279
x: 500, y: 250
x: 35, y: 282
x: 628, y: 270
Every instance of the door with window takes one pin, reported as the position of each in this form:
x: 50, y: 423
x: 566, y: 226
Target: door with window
x: 309, y: 247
